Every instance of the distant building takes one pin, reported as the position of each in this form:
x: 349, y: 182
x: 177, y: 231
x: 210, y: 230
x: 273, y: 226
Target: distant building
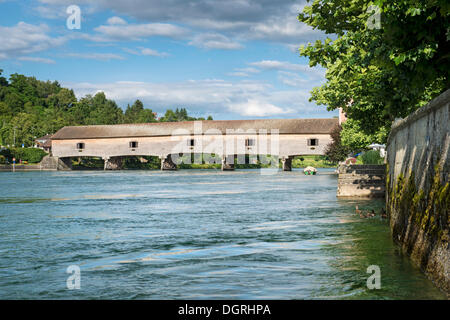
x: 342, y: 116
x: 44, y: 143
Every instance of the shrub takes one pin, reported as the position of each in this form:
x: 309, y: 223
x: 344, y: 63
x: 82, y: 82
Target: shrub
x: 7, y: 154
x: 32, y: 155
x: 2, y: 160
x: 336, y: 151
x: 372, y: 157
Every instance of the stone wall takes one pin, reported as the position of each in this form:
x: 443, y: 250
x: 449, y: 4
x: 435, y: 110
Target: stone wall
x: 20, y: 167
x: 418, y: 193
x: 48, y: 163
x: 361, y: 181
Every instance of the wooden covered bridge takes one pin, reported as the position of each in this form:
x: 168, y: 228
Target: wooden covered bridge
x: 222, y: 140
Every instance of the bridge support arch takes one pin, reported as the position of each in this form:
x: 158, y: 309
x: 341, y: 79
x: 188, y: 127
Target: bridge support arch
x: 113, y: 163
x: 228, y: 163
x: 167, y: 164
x: 287, y: 163
x: 64, y: 164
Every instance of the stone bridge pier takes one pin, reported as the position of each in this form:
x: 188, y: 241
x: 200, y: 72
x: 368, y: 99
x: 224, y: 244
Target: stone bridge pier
x: 228, y: 163
x: 287, y: 163
x: 113, y: 163
x: 167, y: 164
x: 64, y: 164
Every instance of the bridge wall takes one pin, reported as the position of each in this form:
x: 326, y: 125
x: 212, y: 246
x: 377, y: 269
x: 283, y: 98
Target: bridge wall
x: 282, y: 145
x: 418, y: 192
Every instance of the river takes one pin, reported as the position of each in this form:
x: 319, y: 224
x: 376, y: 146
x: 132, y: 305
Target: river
x: 194, y: 234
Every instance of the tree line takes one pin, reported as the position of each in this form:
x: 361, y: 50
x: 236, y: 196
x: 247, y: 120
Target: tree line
x: 30, y: 108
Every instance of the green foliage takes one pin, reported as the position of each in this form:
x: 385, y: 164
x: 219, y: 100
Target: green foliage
x: 179, y: 115
x: 371, y: 157
x: 87, y: 163
x: 336, y: 151
x: 313, y: 161
x: 149, y: 162
x: 32, y: 155
x: 354, y: 138
x: 377, y: 75
x: 30, y: 108
x: 137, y: 114
x: 2, y: 159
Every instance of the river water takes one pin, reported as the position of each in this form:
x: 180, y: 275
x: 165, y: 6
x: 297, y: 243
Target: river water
x: 194, y: 234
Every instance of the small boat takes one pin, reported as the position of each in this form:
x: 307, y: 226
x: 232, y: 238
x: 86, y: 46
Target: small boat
x: 310, y: 171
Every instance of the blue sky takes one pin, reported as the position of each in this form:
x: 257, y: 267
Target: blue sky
x: 235, y: 59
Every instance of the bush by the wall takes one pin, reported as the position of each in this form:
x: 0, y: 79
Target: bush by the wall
x: 372, y: 157
x: 32, y: 155
x: 2, y: 160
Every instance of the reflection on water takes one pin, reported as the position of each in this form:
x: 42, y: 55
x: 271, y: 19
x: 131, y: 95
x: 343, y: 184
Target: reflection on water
x: 194, y: 234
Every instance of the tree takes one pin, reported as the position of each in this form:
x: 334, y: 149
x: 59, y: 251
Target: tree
x: 169, y: 116
x: 377, y: 75
x: 137, y: 114
x: 104, y: 111
x: 3, y: 81
x: 353, y: 136
x: 62, y: 100
x: 336, y: 151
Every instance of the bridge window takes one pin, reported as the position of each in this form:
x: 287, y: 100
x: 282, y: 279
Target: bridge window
x: 80, y: 146
x: 250, y: 142
x: 133, y: 144
x: 313, y: 142
x: 191, y: 142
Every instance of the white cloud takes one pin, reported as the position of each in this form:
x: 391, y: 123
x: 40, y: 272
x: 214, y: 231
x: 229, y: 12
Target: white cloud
x: 50, y: 12
x: 313, y: 73
x: 239, y: 20
x: 210, y: 96
x: 257, y: 108
x: 96, y: 56
x: 278, y: 65
x: 37, y: 59
x: 243, y: 72
x: 140, y: 31
x: 141, y: 51
x: 294, y: 48
x: 116, y: 21
x: 25, y: 38
x: 215, y: 41
x: 284, y: 28
x: 291, y: 79
x: 151, y: 52
x: 238, y: 74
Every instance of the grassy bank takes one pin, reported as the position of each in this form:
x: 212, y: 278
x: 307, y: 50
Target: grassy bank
x: 312, y: 161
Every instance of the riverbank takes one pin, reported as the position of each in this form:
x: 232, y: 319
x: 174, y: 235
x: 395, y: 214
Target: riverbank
x: 24, y: 167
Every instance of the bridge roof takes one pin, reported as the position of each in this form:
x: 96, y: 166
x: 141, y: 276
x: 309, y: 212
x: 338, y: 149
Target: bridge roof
x: 285, y: 126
